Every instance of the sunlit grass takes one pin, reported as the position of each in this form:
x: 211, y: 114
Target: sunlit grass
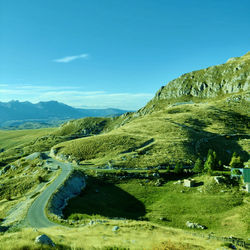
x: 173, y: 135
x: 10, y: 138
x: 131, y: 235
x: 224, y: 213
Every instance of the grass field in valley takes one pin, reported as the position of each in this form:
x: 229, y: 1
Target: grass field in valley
x: 12, y: 138
x: 221, y: 208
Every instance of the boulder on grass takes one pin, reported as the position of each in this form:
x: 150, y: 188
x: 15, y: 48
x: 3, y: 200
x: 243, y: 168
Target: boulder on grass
x: 115, y: 228
x: 44, y: 240
x: 195, y: 225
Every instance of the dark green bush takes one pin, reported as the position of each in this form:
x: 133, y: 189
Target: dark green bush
x: 40, y: 179
x: 178, y: 169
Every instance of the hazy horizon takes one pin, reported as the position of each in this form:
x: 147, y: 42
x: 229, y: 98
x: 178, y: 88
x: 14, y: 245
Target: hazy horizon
x: 81, y: 107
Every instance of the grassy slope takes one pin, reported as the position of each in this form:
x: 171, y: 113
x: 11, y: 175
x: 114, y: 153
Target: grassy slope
x: 131, y: 235
x: 17, y: 144
x: 83, y: 126
x: 11, y: 138
x: 168, y: 135
x: 17, y: 183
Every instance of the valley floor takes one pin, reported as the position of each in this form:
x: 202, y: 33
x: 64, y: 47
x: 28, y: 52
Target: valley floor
x: 222, y: 208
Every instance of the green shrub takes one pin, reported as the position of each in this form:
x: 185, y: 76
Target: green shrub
x: 168, y: 170
x: 121, y: 172
x: 236, y: 172
x: 40, y: 179
x: 198, y: 166
x: 178, y: 169
x: 228, y: 244
x: 8, y: 197
x: 236, y: 162
x: 211, y: 163
x: 76, y: 217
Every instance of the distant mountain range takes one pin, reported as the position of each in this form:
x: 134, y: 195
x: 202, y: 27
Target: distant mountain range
x: 14, y: 114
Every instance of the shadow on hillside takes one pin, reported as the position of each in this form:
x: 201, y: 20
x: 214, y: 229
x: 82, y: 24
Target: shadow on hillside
x: 196, y: 123
x: 231, y: 119
x: 200, y: 141
x: 198, y: 184
x: 105, y: 199
x: 3, y: 229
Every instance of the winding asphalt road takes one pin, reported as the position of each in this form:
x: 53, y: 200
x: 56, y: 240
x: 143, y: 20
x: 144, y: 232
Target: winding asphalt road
x: 36, y: 214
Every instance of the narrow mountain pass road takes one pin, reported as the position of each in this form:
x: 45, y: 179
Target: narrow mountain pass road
x: 36, y: 216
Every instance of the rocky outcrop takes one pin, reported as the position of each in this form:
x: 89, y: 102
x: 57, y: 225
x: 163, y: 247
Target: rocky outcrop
x: 36, y: 155
x: 71, y: 188
x: 195, y: 225
x: 54, y: 152
x: 115, y: 228
x: 231, y: 77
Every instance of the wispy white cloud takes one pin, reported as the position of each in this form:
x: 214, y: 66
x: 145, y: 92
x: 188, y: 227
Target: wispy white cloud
x: 68, y: 59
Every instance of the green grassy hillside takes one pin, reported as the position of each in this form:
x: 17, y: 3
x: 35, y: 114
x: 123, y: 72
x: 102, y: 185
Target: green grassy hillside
x: 180, y: 124
x: 19, y: 143
x: 9, y: 139
x: 170, y: 134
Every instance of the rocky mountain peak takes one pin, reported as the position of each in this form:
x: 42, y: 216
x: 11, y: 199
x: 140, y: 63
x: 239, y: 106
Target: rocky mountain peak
x: 230, y: 77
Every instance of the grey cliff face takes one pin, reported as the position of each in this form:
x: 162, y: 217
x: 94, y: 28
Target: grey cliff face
x: 231, y: 77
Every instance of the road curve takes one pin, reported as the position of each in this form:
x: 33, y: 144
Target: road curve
x: 36, y: 214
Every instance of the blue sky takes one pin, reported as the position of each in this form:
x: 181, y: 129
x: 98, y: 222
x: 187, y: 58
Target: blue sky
x: 112, y: 53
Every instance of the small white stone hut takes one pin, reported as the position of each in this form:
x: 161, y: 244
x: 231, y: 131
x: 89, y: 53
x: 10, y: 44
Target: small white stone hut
x: 189, y: 183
